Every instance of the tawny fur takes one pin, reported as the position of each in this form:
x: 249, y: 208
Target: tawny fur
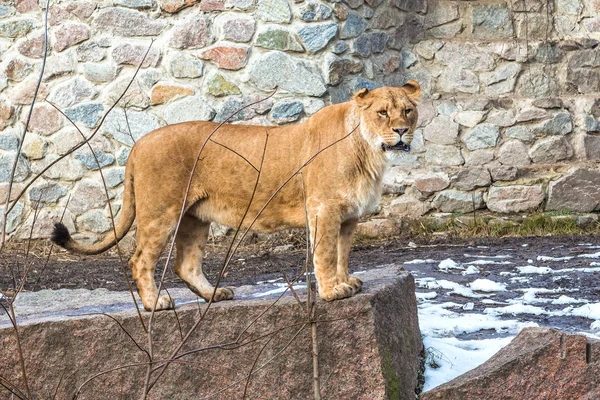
x: 341, y: 183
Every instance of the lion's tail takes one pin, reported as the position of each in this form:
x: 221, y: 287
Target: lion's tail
x: 62, y: 237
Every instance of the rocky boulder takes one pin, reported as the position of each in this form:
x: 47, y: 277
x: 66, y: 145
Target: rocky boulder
x: 369, y: 345
x: 540, y: 363
x: 578, y: 191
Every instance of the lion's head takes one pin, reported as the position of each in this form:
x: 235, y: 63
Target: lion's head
x: 390, y: 115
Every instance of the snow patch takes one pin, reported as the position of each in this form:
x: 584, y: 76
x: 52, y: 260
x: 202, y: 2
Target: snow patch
x: 486, y: 285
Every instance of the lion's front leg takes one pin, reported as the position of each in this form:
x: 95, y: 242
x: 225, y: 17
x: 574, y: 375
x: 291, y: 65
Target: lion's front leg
x: 344, y: 244
x: 325, y: 231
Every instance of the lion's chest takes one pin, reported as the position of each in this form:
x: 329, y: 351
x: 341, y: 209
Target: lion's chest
x: 364, y: 197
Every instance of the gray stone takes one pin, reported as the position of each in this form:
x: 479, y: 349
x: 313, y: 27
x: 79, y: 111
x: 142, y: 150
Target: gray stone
x: 130, y: 96
x: 314, y: 11
x: 378, y: 41
x: 514, y: 152
x: 137, y: 4
x: 440, y: 14
x: 191, y: 33
x: 316, y: 37
x: 447, y: 109
x: 515, y: 199
x: 472, y: 178
x: 90, y: 52
x: 6, y: 164
x: 501, y: 118
x: 6, y: 10
x: 469, y: 118
x: 100, y: 72
x: 579, y: 191
x: 586, y: 80
x: 123, y: 155
x: 502, y: 80
x: 241, y: 4
x: 89, y: 114
x: 482, y: 136
x: 125, y: 22
x: 534, y: 84
x: 48, y: 192
x: 447, y: 31
x: 340, y: 47
x: 337, y: 68
x: 520, y: 132
x: 114, y: 176
x: 65, y: 139
x: 236, y: 108
x: 419, y: 6
x: 491, y: 22
x: 531, y: 114
x: 361, y: 46
x: 548, y: 102
x: 441, y: 130
x: 9, y: 140
x: 466, y: 56
x: 193, y: 108
x: 437, y: 154
x: 561, y: 124
x: 88, y: 194
x: 276, y: 38
x: 479, y: 157
x: 584, y: 58
x: 548, y: 53
x: 312, y: 105
x: 100, y: 160
x: 185, y: 66
x: 504, y: 173
x: 93, y: 221
x: 408, y: 59
x: 278, y: 11
x: 353, y: 26
x: 140, y: 123
x: 430, y: 183
x: 428, y: 48
x: 15, y: 216
x: 408, y: 206
x: 235, y: 27
x: 134, y: 55
x: 455, y: 201
x: 458, y: 80
x: 59, y: 65
x: 67, y: 169
x: 570, y: 7
x: 72, y: 92
x: 550, y: 150
x: 290, y: 74
x: 285, y: 111
x: 147, y: 78
x: 592, y: 124
x: 361, y: 83
x: 16, y: 28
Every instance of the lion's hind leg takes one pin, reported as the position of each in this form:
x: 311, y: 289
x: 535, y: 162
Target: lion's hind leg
x: 344, y: 244
x: 191, y: 241
x: 150, y: 244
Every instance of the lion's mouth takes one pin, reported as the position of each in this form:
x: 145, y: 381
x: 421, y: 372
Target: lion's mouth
x: 400, y: 146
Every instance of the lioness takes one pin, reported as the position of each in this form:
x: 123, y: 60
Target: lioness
x: 335, y: 159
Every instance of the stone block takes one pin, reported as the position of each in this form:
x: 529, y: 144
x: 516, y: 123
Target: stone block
x: 515, y: 199
x: 316, y: 37
x: 134, y: 55
x: 353, y: 26
x: 286, y: 111
x: 313, y: 11
x: 235, y: 27
x: 192, y: 33
x: 579, y: 191
x: 482, y: 136
x: 514, y: 152
x: 374, y: 334
x: 226, y: 56
x: 455, y: 201
x: 276, y: 38
x: 163, y: 93
x: 438, y: 154
x: 124, y: 22
x: 472, y: 178
x: 491, y: 22
x: 278, y: 11
x: 525, y: 367
x: 128, y: 129
x: 550, y: 150
x: 183, y: 65
x: 16, y: 28
x: 195, y: 108
x: 70, y: 34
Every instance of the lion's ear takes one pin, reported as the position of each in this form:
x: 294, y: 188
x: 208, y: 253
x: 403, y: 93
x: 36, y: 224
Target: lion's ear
x: 413, y: 91
x: 360, y: 98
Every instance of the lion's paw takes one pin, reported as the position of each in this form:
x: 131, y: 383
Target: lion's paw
x: 163, y: 303
x: 225, y: 293
x: 339, y: 291
x: 355, y: 283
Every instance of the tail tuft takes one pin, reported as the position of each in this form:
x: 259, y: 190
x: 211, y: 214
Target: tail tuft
x: 60, y: 234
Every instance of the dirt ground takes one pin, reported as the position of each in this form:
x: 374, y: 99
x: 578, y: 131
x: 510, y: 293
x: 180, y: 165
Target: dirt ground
x: 265, y: 261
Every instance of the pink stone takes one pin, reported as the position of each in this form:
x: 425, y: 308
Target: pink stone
x: 226, y: 57
x: 45, y: 120
x: 133, y: 55
x: 70, y: 34
x: 6, y: 112
x: 24, y: 6
x: 33, y: 46
x: 191, y: 34
x: 56, y: 15
x: 172, y: 6
x: 82, y: 9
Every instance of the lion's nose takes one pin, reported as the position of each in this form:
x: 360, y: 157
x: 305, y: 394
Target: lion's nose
x: 400, y: 131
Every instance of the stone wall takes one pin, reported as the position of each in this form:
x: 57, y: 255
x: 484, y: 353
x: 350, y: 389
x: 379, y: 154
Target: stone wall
x: 509, y: 120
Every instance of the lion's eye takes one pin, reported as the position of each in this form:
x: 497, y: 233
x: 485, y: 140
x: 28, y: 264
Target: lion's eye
x: 408, y: 111
x: 383, y: 113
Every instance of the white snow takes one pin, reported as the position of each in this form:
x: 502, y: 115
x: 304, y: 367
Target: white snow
x: 546, y: 258
x: 488, y: 262
x: 419, y: 261
x: 567, y: 300
x: 591, y: 311
x: 447, y: 264
x: 487, y: 256
x: 426, y: 295
x: 471, y: 270
x: 486, y: 285
x: 592, y: 255
x: 530, y: 269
